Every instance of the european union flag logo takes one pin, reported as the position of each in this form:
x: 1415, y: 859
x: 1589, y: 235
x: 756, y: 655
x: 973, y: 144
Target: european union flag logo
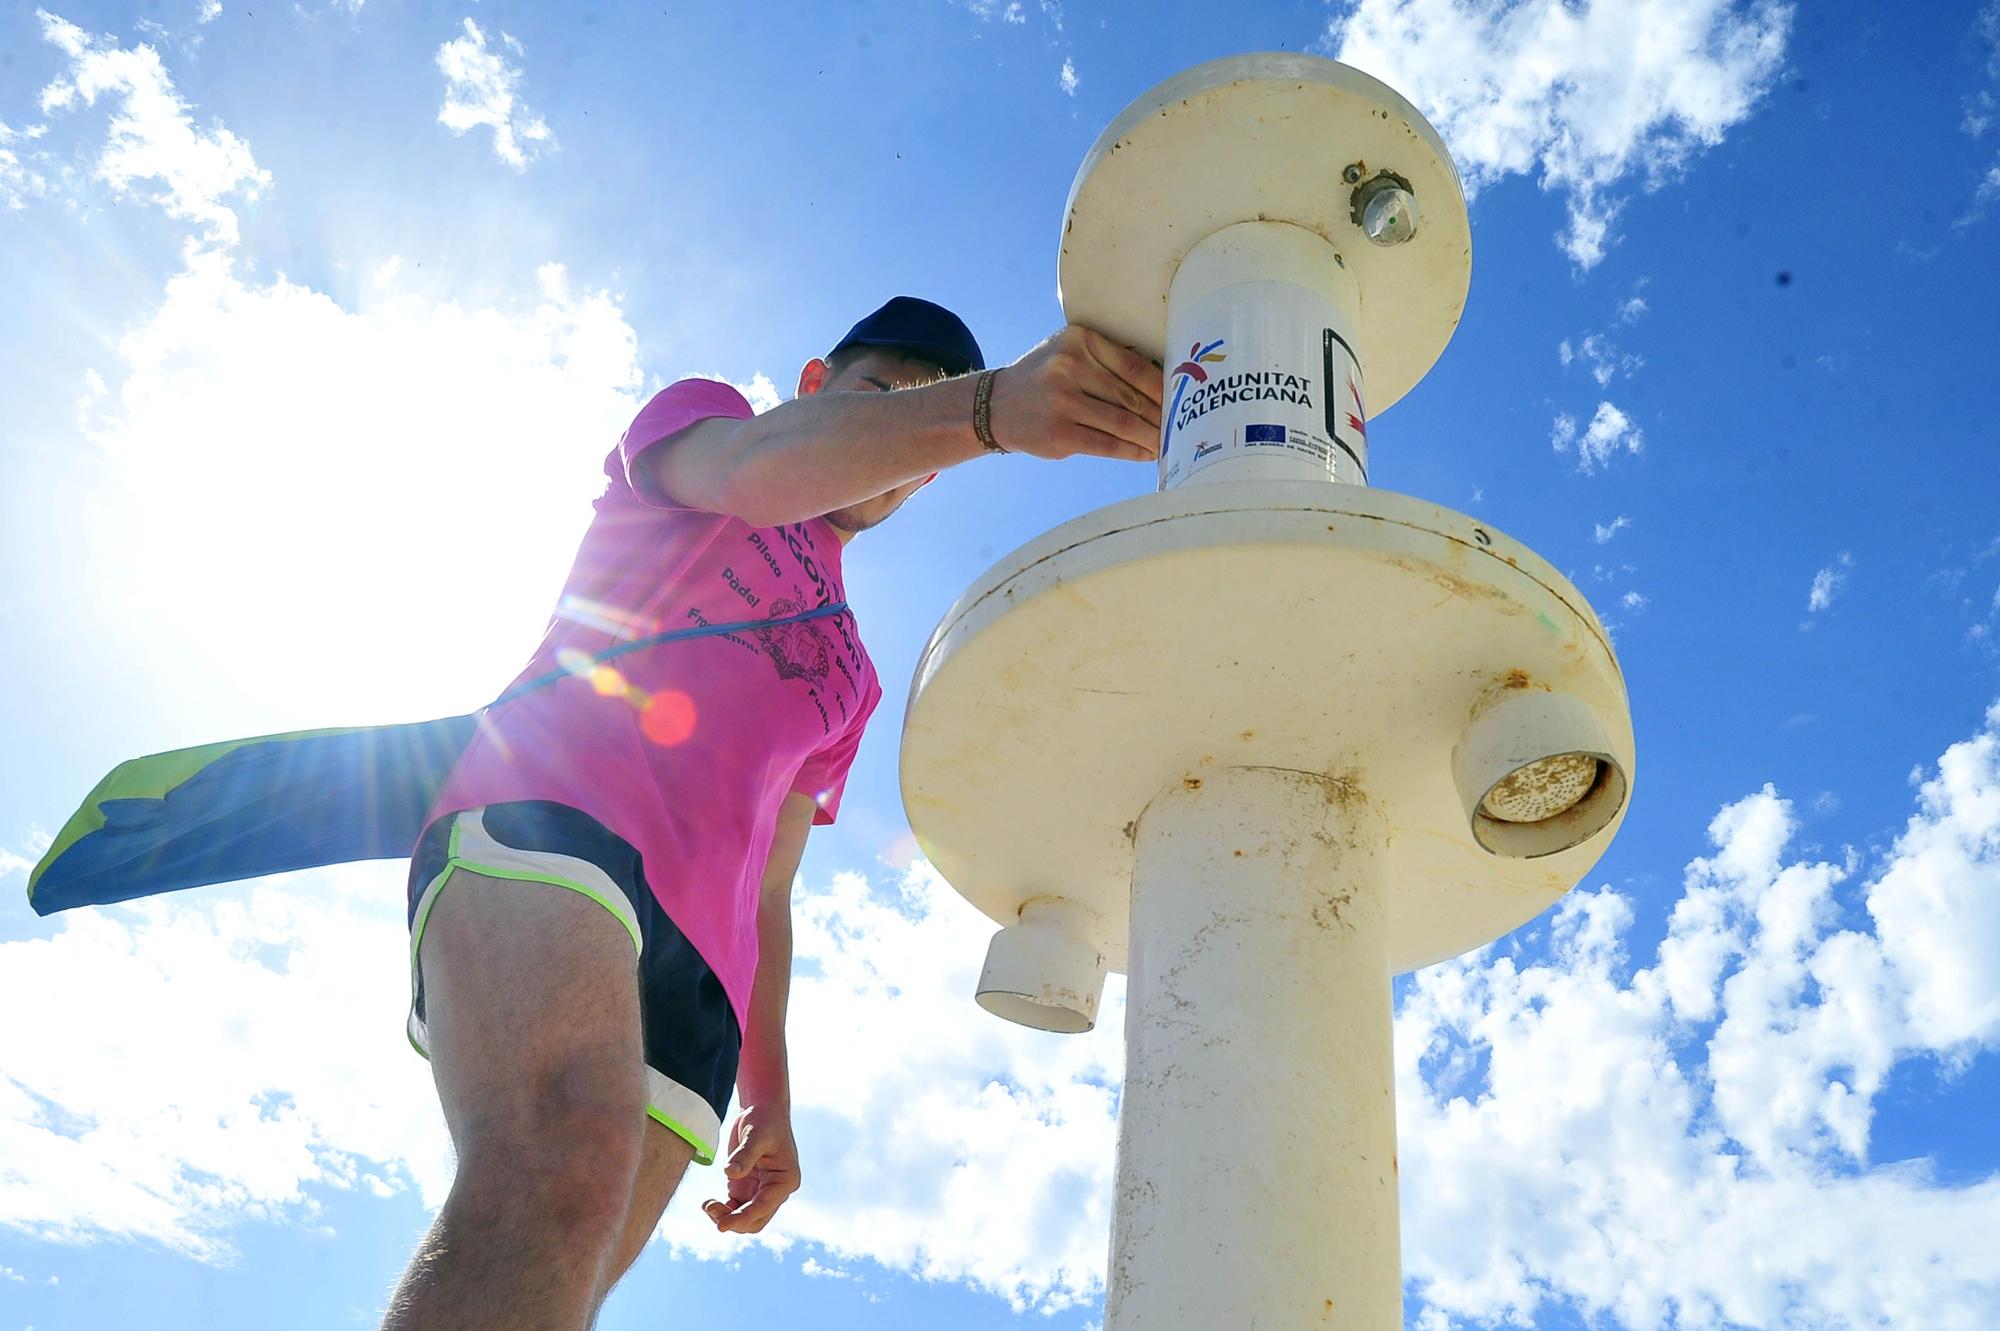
x: 1263, y: 434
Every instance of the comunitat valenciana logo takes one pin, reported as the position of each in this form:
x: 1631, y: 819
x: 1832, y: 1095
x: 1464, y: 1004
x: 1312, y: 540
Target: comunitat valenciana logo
x: 1190, y: 371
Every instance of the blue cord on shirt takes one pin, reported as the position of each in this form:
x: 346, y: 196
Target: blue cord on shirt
x: 674, y: 635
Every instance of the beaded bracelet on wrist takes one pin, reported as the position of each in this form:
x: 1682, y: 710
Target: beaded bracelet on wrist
x: 982, y: 412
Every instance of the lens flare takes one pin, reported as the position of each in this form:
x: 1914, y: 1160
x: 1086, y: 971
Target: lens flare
x: 611, y: 619
x: 902, y: 852
x: 607, y: 681
x: 669, y: 718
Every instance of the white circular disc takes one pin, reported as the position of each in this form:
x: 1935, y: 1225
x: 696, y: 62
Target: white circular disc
x: 1267, y: 137
x: 1320, y: 628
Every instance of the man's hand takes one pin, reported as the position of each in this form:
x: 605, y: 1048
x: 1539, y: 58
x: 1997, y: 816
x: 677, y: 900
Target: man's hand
x: 763, y: 1170
x: 1079, y: 392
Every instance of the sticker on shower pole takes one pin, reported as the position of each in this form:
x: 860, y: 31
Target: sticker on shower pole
x: 1245, y: 391
x: 1340, y: 389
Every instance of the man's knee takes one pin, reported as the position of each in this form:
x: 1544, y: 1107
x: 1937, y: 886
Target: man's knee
x: 564, y: 1154
x: 532, y: 1019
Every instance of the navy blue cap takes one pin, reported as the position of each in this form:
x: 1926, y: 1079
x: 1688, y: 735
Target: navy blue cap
x: 921, y: 329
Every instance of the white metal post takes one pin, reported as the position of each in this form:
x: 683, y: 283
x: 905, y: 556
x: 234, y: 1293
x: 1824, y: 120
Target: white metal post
x: 1256, y: 1177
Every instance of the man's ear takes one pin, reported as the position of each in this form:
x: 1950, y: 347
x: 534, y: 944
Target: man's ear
x: 814, y: 376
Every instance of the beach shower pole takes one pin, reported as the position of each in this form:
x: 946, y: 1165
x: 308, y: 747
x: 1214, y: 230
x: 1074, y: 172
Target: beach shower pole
x: 1268, y: 736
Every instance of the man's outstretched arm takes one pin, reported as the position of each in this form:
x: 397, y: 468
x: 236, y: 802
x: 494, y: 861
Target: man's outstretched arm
x: 1077, y: 393
x: 763, y: 1161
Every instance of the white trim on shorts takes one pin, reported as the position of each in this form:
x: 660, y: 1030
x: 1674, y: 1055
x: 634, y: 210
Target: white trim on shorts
x: 682, y: 1111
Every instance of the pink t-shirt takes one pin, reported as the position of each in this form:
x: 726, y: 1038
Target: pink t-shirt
x: 685, y: 749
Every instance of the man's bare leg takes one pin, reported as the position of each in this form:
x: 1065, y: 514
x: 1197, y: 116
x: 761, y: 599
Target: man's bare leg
x: 532, y: 1008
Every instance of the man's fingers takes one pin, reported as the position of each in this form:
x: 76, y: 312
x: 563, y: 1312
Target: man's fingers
x: 746, y: 1156
x: 1096, y: 443
x: 1129, y: 366
x: 1119, y: 423
x: 758, y: 1211
x: 740, y: 1190
x: 750, y: 1215
x: 1105, y: 386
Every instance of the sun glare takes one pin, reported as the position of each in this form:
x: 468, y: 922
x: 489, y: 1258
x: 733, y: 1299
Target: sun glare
x: 401, y: 538
x: 669, y: 718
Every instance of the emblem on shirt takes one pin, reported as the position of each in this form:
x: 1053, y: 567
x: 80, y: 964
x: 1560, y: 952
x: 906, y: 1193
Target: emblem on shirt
x: 799, y: 651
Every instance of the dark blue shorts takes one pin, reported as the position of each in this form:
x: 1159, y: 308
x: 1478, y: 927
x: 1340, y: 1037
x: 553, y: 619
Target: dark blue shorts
x: 692, y: 1040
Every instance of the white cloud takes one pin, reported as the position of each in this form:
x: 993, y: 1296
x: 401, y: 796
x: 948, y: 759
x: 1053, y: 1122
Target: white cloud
x: 760, y: 392
x: 152, y: 136
x: 1937, y: 907
x: 1601, y: 533
x: 1989, y: 189
x: 18, y: 181
x: 1979, y: 111
x: 211, y: 10
x: 1980, y: 107
x: 1564, y: 1141
x: 1588, y: 98
x: 1610, y: 431
x: 215, y: 1060
x: 1634, y: 601
x: 481, y: 88
x: 814, y: 1267
x: 1828, y: 583
x: 1605, y: 359
x: 1067, y: 78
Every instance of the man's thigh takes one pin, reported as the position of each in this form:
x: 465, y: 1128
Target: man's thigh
x: 531, y: 1007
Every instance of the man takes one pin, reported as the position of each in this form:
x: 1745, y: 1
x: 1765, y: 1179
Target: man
x: 658, y: 806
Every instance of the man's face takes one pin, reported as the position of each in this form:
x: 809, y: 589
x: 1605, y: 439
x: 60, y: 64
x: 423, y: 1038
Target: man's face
x: 876, y: 371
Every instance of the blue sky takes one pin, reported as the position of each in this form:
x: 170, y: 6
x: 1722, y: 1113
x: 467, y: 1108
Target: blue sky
x: 322, y: 316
